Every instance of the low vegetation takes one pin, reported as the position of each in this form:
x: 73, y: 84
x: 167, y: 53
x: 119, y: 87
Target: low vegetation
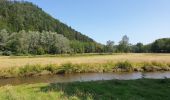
x: 142, y: 89
x: 67, y: 68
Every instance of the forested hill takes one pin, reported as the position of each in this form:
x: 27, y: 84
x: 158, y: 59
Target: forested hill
x: 16, y: 16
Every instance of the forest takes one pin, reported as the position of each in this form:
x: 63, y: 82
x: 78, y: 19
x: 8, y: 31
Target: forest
x: 30, y: 17
x: 39, y: 43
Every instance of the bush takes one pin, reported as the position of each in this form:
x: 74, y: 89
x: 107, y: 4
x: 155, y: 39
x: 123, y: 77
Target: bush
x: 51, y: 68
x: 66, y: 68
x: 7, y: 53
x: 1, y: 53
x: 124, y: 66
x: 29, y: 70
x: 40, y: 51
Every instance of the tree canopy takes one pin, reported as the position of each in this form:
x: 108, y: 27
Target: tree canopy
x: 34, y: 42
x: 161, y: 46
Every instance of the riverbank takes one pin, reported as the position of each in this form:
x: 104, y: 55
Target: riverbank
x: 26, y: 66
x: 141, y: 89
x: 69, y: 68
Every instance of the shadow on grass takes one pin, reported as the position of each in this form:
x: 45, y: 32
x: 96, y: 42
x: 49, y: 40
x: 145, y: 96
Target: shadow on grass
x: 143, y: 89
x: 84, y: 90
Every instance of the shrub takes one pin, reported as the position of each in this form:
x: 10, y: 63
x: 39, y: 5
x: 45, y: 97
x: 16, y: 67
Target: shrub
x: 7, y: 53
x: 51, y: 68
x: 66, y: 68
x: 124, y: 66
x: 29, y: 70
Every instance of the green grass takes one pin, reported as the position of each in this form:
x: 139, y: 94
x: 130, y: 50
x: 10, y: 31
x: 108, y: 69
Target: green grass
x: 68, y: 68
x: 142, y: 89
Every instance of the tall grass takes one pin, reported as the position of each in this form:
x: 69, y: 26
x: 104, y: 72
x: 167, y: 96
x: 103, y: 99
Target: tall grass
x: 68, y: 68
x: 124, y: 66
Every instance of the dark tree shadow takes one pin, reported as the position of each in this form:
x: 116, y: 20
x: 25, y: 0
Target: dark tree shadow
x: 83, y: 91
x: 142, y: 89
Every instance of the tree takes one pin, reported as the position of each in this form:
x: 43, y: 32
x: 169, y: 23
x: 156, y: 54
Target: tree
x: 124, y: 45
x: 161, y: 46
x: 60, y: 44
x: 138, y: 48
x: 4, y: 35
x: 77, y: 47
x: 99, y: 48
x: 18, y: 43
x: 110, y: 46
x: 34, y: 42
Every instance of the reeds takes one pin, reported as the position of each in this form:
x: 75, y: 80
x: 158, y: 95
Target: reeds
x: 68, y: 68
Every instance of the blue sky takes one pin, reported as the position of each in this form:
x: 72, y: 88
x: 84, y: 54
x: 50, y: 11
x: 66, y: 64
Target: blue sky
x: 141, y: 20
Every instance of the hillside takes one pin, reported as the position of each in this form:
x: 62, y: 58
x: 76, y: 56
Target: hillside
x: 16, y: 16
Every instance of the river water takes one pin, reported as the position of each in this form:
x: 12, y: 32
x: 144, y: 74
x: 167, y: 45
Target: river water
x: 83, y: 77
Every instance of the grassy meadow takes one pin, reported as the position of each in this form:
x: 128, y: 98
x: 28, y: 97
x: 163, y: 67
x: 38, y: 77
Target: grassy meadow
x: 142, y: 89
x: 19, y: 61
x: 14, y: 66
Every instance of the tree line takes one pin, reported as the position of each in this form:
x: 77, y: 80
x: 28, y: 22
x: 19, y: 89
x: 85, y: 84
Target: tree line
x: 158, y: 46
x: 38, y: 43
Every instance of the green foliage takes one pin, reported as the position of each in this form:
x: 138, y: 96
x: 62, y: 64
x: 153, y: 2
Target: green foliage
x: 138, y: 48
x: 158, y: 46
x: 33, y: 43
x: 109, y: 46
x: 29, y: 17
x: 29, y: 70
x: 124, y: 45
x: 7, y: 53
x: 52, y: 68
x: 124, y: 66
x: 161, y: 46
x: 86, y: 47
x: 67, y: 68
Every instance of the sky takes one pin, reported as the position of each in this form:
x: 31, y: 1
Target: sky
x: 103, y: 20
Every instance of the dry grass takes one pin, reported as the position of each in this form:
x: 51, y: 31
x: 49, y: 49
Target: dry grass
x: 136, y: 58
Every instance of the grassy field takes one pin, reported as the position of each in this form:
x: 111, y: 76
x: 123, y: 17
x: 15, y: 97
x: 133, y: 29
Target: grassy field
x: 15, y: 66
x: 19, y: 61
x: 142, y: 89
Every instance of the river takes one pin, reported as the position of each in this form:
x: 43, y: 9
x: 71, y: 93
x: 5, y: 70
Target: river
x: 83, y: 77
